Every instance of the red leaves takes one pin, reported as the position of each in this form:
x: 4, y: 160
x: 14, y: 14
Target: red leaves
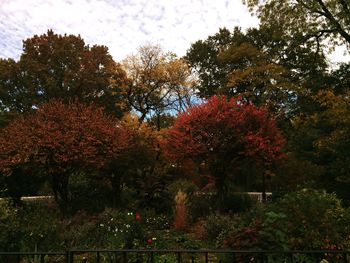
x: 62, y: 137
x: 222, y: 130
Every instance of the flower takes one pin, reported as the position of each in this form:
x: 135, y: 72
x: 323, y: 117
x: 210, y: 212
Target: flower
x: 137, y: 217
x: 149, y: 241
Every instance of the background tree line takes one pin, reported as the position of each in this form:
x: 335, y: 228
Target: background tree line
x: 93, y: 106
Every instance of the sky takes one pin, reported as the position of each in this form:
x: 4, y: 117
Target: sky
x: 121, y: 25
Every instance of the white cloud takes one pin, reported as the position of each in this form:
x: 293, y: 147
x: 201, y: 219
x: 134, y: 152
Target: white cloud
x: 120, y: 25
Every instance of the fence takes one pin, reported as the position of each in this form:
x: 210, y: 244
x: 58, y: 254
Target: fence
x: 175, y: 256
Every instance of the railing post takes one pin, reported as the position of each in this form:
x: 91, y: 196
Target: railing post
x: 233, y: 257
x: 97, y: 256
x: 41, y: 258
x: 178, y: 257
x: 261, y: 256
x: 125, y: 257
x: 345, y: 257
x: 291, y: 257
x: 69, y: 256
x: 206, y: 257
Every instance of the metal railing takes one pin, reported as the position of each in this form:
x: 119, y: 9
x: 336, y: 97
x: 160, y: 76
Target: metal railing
x: 176, y: 256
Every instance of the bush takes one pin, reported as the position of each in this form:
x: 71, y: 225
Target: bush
x: 89, y: 194
x: 306, y: 220
x: 10, y: 232
x: 188, y: 187
x: 200, y: 205
x: 216, y: 225
x: 151, y: 192
x: 237, y: 203
x: 39, y: 225
x: 126, y: 229
x: 20, y: 183
x: 28, y: 228
x: 316, y: 219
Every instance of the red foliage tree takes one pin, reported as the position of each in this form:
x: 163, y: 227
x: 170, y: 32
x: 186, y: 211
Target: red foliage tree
x: 223, y: 133
x: 62, y: 139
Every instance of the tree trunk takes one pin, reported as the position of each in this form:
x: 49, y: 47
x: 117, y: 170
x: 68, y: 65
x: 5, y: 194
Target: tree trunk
x: 116, y: 188
x: 60, y: 189
x: 221, y: 187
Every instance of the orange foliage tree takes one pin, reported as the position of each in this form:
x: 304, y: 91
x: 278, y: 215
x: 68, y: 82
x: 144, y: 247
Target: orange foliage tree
x: 62, y: 139
x: 222, y: 134
x: 62, y: 67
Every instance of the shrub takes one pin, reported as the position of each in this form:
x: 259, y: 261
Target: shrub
x: 200, y: 205
x: 10, y: 232
x: 29, y: 228
x: 126, y: 229
x: 237, y: 203
x: 216, y: 225
x: 306, y: 219
x: 39, y: 224
x: 81, y: 231
x: 21, y: 182
x: 188, y: 187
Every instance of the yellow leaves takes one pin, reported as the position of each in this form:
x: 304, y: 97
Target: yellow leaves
x: 159, y: 81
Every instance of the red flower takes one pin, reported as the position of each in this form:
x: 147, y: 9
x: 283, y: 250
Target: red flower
x: 138, y: 217
x: 149, y: 241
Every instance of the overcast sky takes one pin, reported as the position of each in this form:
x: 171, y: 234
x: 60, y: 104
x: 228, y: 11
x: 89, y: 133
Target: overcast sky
x: 121, y: 25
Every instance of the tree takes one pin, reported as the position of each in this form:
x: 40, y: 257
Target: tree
x: 223, y: 134
x: 323, y: 138
x: 62, y: 139
x: 134, y: 165
x: 314, y: 22
x: 160, y: 82
x: 257, y: 65
x: 56, y: 66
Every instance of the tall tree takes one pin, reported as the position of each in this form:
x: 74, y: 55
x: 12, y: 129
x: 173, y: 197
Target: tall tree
x: 62, y: 139
x: 323, y: 138
x: 314, y: 22
x: 257, y: 65
x: 160, y: 82
x: 56, y: 66
x: 224, y: 134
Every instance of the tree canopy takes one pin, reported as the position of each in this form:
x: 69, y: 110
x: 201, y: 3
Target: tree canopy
x: 160, y: 82
x: 316, y: 23
x: 61, y: 66
x: 62, y: 139
x: 223, y: 134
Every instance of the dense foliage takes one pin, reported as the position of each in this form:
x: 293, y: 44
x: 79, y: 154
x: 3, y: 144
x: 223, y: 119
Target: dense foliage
x: 223, y: 134
x: 62, y: 139
x: 160, y: 151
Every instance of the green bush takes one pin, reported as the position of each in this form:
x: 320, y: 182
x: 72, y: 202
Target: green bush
x: 89, y: 194
x: 185, y: 186
x: 237, y: 203
x: 306, y: 220
x: 151, y: 192
x: 216, y: 225
x: 315, y: 219
x: 200, y: 205
x: 20, y: 183
x: 10, y: 232
x: 29, y: 228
